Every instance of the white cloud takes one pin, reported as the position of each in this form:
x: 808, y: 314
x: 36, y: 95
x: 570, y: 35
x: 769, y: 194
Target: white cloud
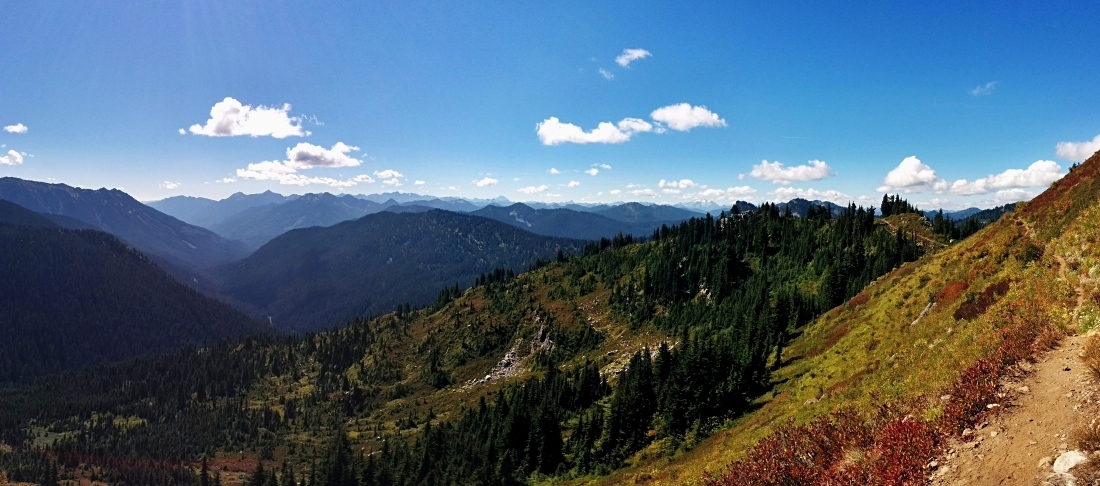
x: 606, y: 74
x: 683, y: 117
x: 783, y: 194
x: 230, y: 118
x: 533, y: 189
x: 1078, y: 151
x: 729, y: 194
x: 226, y: 180
x: 603, y: 166
x: 1012, y: 195
x: 911, y: 175
x: 670, y: 191
x: 392, y: 182
x: 616, y: 192
x: 183, y: 132
x: 574, y: 184
x: 418, y: 183
x: 644, y: 193
x: 592, y: 172
x: 305, y: 156
x: 486, y: 182
x: 680, y: 184
x: 308, y: 156
x: 17, y: 128
x: 1039, y: 174
x: 170, y: 185
x: 553, y: 132
x: 777, y: 174
x: 630, y: 55
x: 388, y: 174
x: 12, y: 158
x: 554, y: 171
x: 984, y: 89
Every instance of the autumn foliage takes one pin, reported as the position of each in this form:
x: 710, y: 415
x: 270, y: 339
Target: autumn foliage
x: 891, y: 447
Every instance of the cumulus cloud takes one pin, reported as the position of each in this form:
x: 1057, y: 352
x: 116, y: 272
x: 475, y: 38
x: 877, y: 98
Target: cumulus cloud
x: 616, y: 192
x: 17, y: 128
x: 777, y: 174
x: 911, y: 175
x: 603, y: 166
x: 305, y: 156
x: 230, y: 118
x: 644, y: 193
x: 592, y: 172
x: 533, y: 189
x: 554, y: 171
x: 630, y: 55
x: 226, y: 180
x: 170, y: 185
x: 486, y: 182
x: 1038, y: 174
x: 574, y: 184
x: 12, y: 158
x: 683, y: 117
x: 606, y: 74
x: 552, y: 131
x: 729, y: 194
x: 388, y: 174
x: 1078, y: 151
x: 308, y: 156
x: 984, y: 89
x: 418, y: 183
x: 1012, y: 195
x: 680, y: 184
x: 787, y: 193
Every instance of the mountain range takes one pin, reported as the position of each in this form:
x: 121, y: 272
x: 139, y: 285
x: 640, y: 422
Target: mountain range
x: 73, y: 298
x: 314, y: 278
x: 657, y: 359
x: 164, y: 238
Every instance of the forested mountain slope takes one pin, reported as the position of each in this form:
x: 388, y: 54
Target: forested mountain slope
x: 258, y: 225
x: 914, y: 359
x: 74, y: 298
x: 569, y: 370
x: 154, y: 233
x: 567, y: 223
x: 316, y: 278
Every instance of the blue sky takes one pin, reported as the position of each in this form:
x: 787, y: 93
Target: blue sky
x: 953, y: 105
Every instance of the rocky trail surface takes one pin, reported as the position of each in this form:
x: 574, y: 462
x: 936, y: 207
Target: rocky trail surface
x: 1033, y: 437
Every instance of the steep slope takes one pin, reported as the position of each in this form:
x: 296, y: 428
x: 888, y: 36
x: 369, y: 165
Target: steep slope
x: 314, y: 278
x: 71, y: 298
x: 154, y: 233
x: 14, y: 214
x: 922, y: 350
x: 494, y: 379
x: 566, y: 223
x: 258, y: 225
x: 204, y: 212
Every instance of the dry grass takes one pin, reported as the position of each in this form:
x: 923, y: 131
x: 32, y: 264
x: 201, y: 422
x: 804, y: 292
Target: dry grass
x: 1092, y: 356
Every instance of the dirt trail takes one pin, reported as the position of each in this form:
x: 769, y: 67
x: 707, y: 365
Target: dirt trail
x: 1042, y: 407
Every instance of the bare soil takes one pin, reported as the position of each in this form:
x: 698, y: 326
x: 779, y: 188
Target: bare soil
x: 1042, y: 407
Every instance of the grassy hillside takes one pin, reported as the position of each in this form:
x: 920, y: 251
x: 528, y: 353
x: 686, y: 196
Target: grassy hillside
x: 713, y: 294
x: 925, y: 342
